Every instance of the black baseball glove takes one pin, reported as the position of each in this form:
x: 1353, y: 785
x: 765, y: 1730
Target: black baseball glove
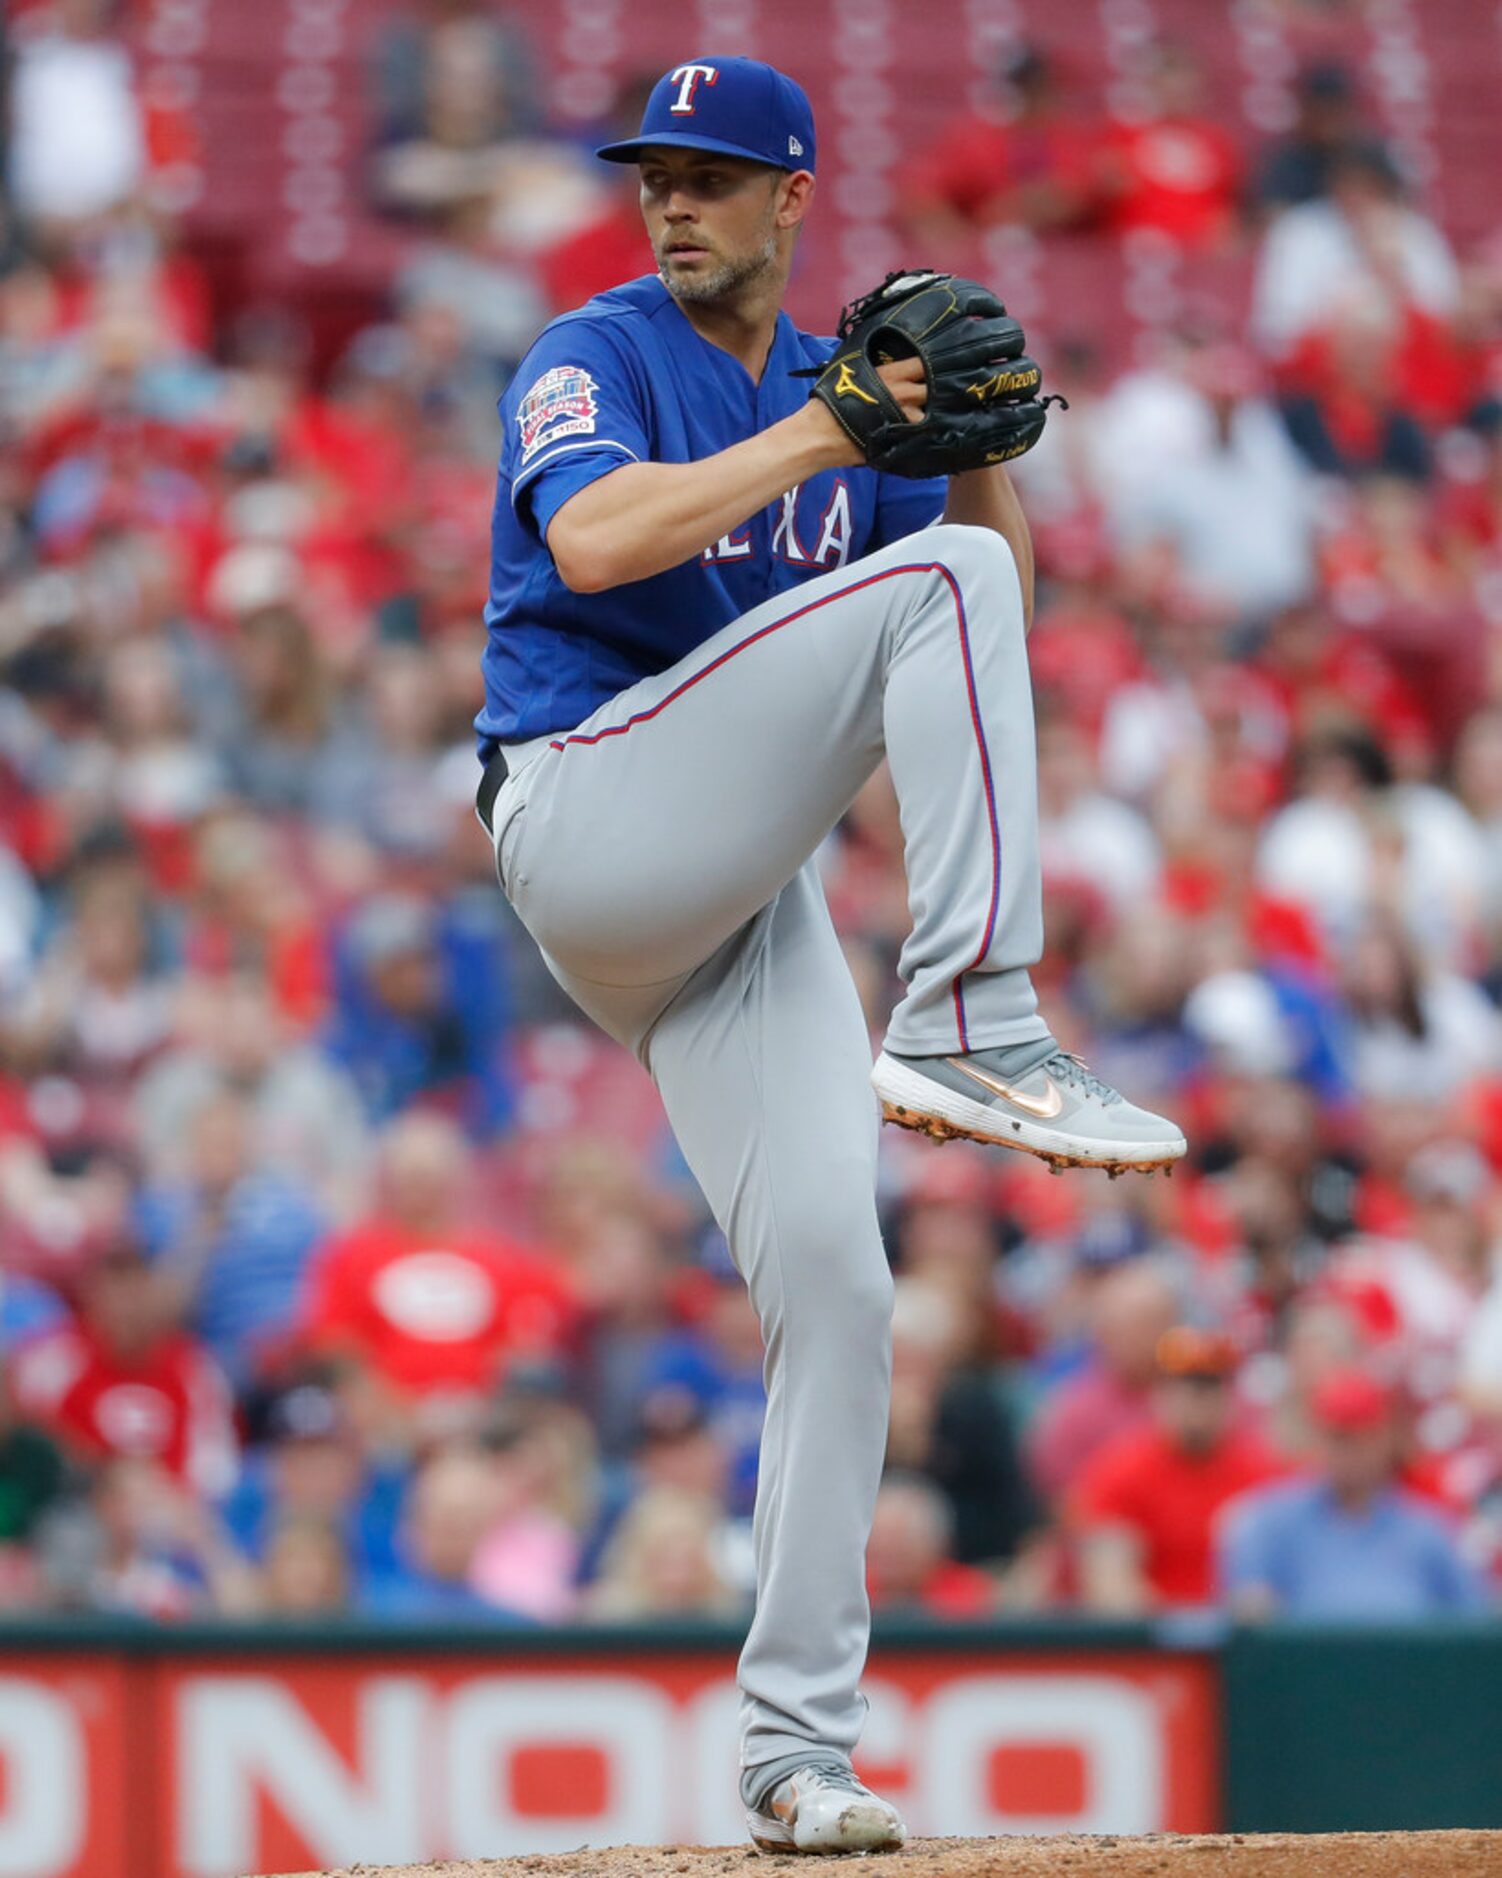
x: 983, y: 404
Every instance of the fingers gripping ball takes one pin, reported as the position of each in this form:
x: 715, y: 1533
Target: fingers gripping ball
x: 983, y: 404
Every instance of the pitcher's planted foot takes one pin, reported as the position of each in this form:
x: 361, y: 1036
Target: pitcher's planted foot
x: 1031, y: 1096
x: 824, y: 1808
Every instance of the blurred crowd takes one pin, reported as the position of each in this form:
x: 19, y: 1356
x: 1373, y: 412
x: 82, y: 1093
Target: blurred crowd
x: 344, y: 1269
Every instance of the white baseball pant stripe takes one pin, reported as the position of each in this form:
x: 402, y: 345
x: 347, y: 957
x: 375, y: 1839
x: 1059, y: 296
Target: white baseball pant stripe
x: 660, y: 855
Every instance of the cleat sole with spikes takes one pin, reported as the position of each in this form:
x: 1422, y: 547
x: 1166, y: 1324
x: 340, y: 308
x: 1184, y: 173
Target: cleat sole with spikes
x: 1075, y: 1131
x: 945, y: 1132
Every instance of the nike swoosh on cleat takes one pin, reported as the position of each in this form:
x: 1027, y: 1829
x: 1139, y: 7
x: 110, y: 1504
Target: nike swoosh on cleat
x: 1044, y: 1107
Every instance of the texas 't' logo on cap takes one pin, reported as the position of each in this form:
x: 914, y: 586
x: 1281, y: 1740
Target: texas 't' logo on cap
x: 688, y: 79
x: 737, y: 107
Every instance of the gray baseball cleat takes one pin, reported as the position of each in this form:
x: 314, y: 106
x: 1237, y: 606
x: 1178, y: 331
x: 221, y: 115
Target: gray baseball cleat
x: 824, y: 1808
x: 1031, y: 1096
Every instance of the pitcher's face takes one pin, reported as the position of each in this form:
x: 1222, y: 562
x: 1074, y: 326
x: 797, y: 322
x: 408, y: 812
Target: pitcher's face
x: 713, y: 220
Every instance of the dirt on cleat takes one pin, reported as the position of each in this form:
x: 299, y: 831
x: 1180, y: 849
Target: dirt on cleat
x: 941, y: 1132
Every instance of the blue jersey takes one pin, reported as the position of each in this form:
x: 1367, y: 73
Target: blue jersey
x: 626, y: 379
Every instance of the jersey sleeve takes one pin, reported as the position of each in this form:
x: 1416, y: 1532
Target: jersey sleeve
x: 904, y: 504
x: 575, y: 412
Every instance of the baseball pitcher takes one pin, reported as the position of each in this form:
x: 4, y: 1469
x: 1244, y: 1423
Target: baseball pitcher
x: 734, y: 567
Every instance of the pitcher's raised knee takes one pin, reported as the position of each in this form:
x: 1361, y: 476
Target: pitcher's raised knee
x: 969, y: 553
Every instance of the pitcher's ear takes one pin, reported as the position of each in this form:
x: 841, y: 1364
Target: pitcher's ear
x: 796, y: 191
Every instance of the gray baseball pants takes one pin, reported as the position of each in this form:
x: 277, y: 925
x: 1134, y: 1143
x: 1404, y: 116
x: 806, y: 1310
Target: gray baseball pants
x: 660, y: 854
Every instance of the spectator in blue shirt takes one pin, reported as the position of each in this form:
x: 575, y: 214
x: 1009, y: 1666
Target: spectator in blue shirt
x: 311, y: 1470
x: 421, y: 1012
x: 234, y: 1240
x: 451, y: 1505
x: 717, y: 1364
x: 1350, y: 1544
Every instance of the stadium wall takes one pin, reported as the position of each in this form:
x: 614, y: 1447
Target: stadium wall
x: 133, y: 1752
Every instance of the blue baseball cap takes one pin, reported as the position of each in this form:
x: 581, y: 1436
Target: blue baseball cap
x: 738, y: 107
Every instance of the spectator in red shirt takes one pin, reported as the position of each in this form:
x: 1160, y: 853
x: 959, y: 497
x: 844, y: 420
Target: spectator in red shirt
x: 420, y: 1300
x: 125, y: 1381
x: 1175, y: 170
x: 1354, y: 387
x: 1144, y: 1511
x: 608, y: 250
x: 1111, y: 1394
x: 1026, y: 162
x: 910, y: 1567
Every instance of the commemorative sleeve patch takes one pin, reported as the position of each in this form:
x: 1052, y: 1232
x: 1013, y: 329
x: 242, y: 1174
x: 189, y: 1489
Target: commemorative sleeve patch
x: 561, y: 404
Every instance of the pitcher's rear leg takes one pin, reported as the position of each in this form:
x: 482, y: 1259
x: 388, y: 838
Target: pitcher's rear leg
x: 763, y: 1062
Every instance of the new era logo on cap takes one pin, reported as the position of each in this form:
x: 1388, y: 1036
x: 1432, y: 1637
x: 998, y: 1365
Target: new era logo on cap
x: 740, y: 107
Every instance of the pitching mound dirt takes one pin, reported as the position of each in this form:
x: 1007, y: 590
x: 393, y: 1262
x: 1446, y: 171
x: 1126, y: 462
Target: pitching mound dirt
x: 1231, y: 1855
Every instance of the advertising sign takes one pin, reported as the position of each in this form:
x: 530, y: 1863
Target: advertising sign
x: 63, y: 1730
x: 294, y: 1765
x: 194, y: 1765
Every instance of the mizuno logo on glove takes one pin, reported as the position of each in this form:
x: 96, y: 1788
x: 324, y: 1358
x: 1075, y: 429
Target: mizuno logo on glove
x: 845, y: 385
x: 1001, y: 382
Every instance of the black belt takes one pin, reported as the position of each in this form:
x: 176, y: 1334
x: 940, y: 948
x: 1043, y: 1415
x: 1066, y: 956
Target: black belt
x: 496, y: 771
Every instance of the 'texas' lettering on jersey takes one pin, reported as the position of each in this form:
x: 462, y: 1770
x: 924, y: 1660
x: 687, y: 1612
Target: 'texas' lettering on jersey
x: 830, y: 531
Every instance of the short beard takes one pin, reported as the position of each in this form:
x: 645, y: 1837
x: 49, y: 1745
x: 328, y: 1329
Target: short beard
x: 727, y: 279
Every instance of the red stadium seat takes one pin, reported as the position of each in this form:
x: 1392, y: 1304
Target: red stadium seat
x: 884, y: 85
